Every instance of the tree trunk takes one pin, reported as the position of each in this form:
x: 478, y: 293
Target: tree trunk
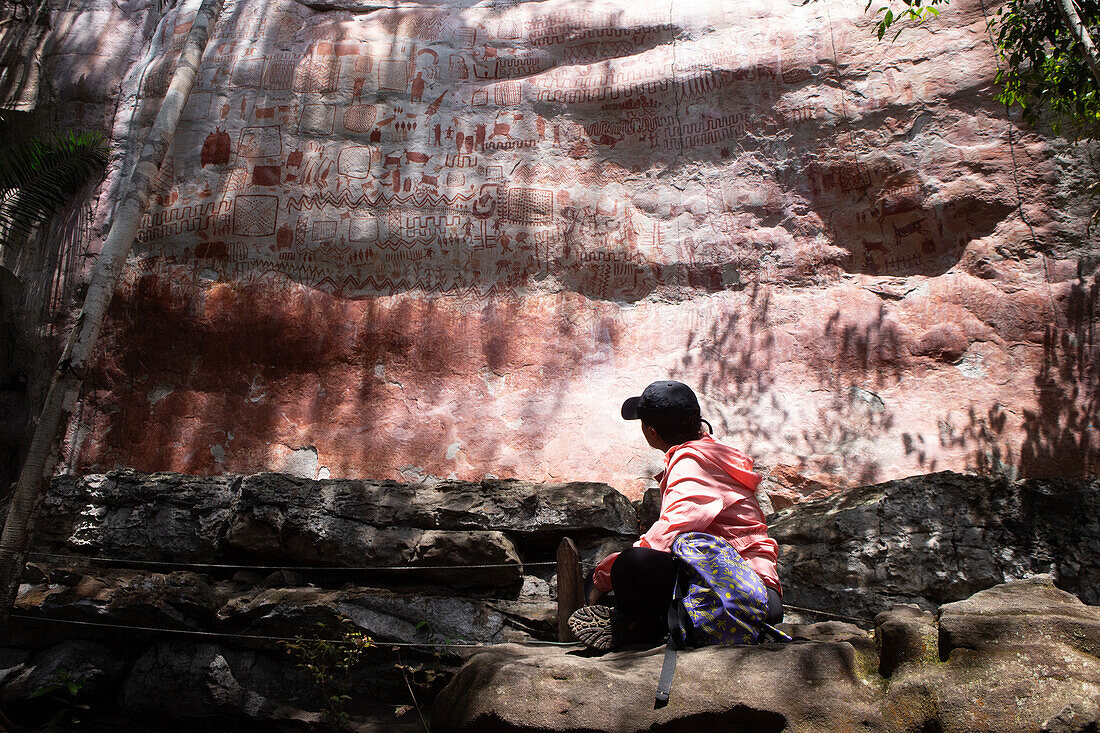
x: 69, y: 375
x: 1081, y: 33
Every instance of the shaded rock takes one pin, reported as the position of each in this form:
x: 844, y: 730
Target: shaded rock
x: 649, y: 509
x: 175, y: 600
x: 905, y: 634
x: 247, y: 577
x: 336, y: 542
x: 185, y: 682
x: 274, y: 504
x: 534, y: 619
x: 65, y: 576
x: 294, y: 521
x: 1074, y: 718
x: 95, y: 670
x: 534, y: 610
x: 283, y: 579
x: 11, y: 662
x: 937, y: 538
x: 146, y: 516
x: 381, y: 614
x: 515, y: 687
x: 1017, y: 658
x: 34, y: 574
x: 832, y: 631
x: 195, y: 681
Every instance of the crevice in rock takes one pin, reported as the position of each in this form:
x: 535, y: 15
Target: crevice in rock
x: 740, y: 719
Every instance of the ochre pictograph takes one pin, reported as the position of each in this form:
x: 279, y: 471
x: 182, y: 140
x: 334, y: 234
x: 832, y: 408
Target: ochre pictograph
x: 254, y: 215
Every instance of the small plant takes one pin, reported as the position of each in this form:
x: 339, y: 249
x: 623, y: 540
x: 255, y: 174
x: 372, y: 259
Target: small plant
x: 327, y: 658
x: 415, y: 676
x: 64, y: 691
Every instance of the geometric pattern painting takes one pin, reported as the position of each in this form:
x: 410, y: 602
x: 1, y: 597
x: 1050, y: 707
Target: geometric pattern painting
x: 354, y: 161
x: 324, y: 230
x: 529, y: 205
x: 254, y: 216
x: 260, y: 142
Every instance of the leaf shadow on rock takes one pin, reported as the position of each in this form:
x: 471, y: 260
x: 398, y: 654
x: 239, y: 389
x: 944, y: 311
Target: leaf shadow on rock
x: 1060, y: 432
x: 1061, y: 435
x: 734, y: 364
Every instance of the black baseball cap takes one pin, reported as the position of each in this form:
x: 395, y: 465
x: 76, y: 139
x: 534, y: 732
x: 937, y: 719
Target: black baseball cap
x: 666, y: 405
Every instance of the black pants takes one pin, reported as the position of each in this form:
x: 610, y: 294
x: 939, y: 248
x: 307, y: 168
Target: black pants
x: 642, y: 580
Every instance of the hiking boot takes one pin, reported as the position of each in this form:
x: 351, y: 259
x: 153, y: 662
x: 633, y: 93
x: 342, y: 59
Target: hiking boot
x: 599, y: 627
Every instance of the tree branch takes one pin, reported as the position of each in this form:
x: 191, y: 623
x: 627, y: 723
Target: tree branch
x: 1081, y: 33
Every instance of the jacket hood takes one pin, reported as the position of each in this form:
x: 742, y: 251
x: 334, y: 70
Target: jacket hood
x: 729, y: 459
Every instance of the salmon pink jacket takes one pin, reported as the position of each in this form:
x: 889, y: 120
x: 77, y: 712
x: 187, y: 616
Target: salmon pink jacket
x: 710, y: 487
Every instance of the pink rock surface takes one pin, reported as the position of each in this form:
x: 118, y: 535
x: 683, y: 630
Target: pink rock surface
x: 451, y: 240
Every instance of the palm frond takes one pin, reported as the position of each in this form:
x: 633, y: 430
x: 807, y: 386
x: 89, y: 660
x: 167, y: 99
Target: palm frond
x: 38, y: 177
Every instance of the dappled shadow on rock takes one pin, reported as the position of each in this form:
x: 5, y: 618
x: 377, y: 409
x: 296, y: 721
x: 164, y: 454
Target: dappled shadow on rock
x: 934, y: 539
x: 1022, y: 641
x: 892, y: 221
x: 764, y: 688
x: 1061, y: 434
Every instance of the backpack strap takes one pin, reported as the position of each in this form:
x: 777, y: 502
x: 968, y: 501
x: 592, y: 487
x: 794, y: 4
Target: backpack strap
x: 675, y: 629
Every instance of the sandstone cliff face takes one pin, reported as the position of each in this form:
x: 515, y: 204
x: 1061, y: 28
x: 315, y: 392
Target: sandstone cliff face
x: 449, y: 240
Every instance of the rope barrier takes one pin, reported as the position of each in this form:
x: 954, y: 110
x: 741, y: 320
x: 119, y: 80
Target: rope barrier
x: 238, y: 566
x: 841, y: 617
x: 316, y: 568
x: 261, y: 637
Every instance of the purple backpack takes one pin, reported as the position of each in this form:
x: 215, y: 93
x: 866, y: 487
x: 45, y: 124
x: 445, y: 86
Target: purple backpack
x: 718, y: 599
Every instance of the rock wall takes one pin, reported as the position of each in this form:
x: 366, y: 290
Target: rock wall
x: 150, y: 589
x: 929, y: 540
x: 924, y: 540
x: 448, y: 240
x: 1016, y: 658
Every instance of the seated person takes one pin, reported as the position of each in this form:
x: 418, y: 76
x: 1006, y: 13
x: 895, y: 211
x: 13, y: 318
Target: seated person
x: 706, y: 486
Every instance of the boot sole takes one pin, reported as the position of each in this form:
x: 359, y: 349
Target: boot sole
x: 592, y: 625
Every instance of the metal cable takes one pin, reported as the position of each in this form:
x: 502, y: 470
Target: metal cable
x: 262, y: 637
x: 842, y: 617
x: 239, y: 566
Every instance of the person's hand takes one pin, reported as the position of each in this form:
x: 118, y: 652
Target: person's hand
x: 594, y: 596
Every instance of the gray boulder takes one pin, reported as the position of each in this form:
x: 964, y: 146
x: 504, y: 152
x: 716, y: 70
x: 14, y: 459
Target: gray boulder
x: 269, y: 502
x: 166, y: 601
x: 1018, y: 658
x: 933, y: 539
x: 94, y: 671
x: 283, y: 519
x: 381, y: 614
x: 142, y: 516
x: 195, y: 681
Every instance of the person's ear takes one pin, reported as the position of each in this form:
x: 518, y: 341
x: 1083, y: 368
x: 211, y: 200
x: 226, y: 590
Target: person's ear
x: 652, y: 437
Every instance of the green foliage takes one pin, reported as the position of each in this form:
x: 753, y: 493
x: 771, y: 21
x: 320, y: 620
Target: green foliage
x: 1044, y: 70
x: 327, y: 658
x: 38, y: 177
x: 62, y: 690
x: 1046, y: 73
x: 913, y: 10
